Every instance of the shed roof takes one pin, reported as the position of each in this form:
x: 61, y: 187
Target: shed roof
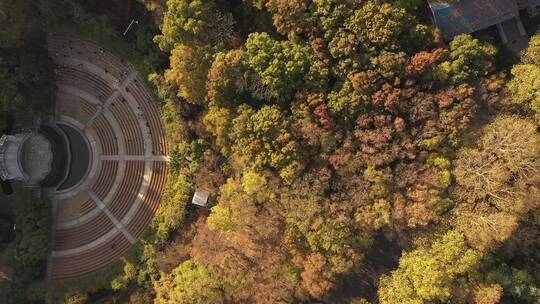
x: 200, y: 198
x: 468, y: 16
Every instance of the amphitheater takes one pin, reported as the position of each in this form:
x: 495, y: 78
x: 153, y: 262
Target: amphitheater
x: 115, y: 158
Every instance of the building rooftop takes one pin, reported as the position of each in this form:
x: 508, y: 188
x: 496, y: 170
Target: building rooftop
x: 37, y: 157
x: 25, y: 157
x: 467, y: 16
x: 533, y: 2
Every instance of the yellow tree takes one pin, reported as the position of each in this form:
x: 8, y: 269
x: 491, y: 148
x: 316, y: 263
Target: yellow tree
x: 525, y: 84
x: 188, y: 70
x: 190, y: 283
x: 429, y: 273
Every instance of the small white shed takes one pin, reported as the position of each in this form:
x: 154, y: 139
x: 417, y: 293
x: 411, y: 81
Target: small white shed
x: 200, y: 198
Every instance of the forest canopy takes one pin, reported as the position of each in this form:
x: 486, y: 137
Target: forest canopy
x: 342, y: 142
x: 331, y: 125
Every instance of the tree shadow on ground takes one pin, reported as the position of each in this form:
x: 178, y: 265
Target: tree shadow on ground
x: 361, y: 282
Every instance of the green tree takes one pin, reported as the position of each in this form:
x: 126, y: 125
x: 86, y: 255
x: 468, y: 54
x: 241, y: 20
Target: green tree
x: 9, y: 93
x: 346, y: 103
x: 171, y: 213
x: 190, y: 283
x: 380, y: 26
x: 263, y: 138
x: 469, y: 60
x: 35, y: 76
x: 33, y: 222
x: 516, y: 283
x: 185, y: 22
x: 282, y: 66
x: 15, y: 22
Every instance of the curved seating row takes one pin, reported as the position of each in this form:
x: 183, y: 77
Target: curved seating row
x: 151, y: 113
x: 151, y: 201
x: 106, y: 177
x: 64, y: 47
x: 87, y: 82
x: 128, y: 190
x: 77, y: 236
x: 87, y: 108
x: 66, y: 267
x: 106, y: 136
x: 87, y: 206
x: 131, y: 130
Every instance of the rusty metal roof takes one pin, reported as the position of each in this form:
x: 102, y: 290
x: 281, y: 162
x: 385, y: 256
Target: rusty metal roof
x: 468, y: 16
